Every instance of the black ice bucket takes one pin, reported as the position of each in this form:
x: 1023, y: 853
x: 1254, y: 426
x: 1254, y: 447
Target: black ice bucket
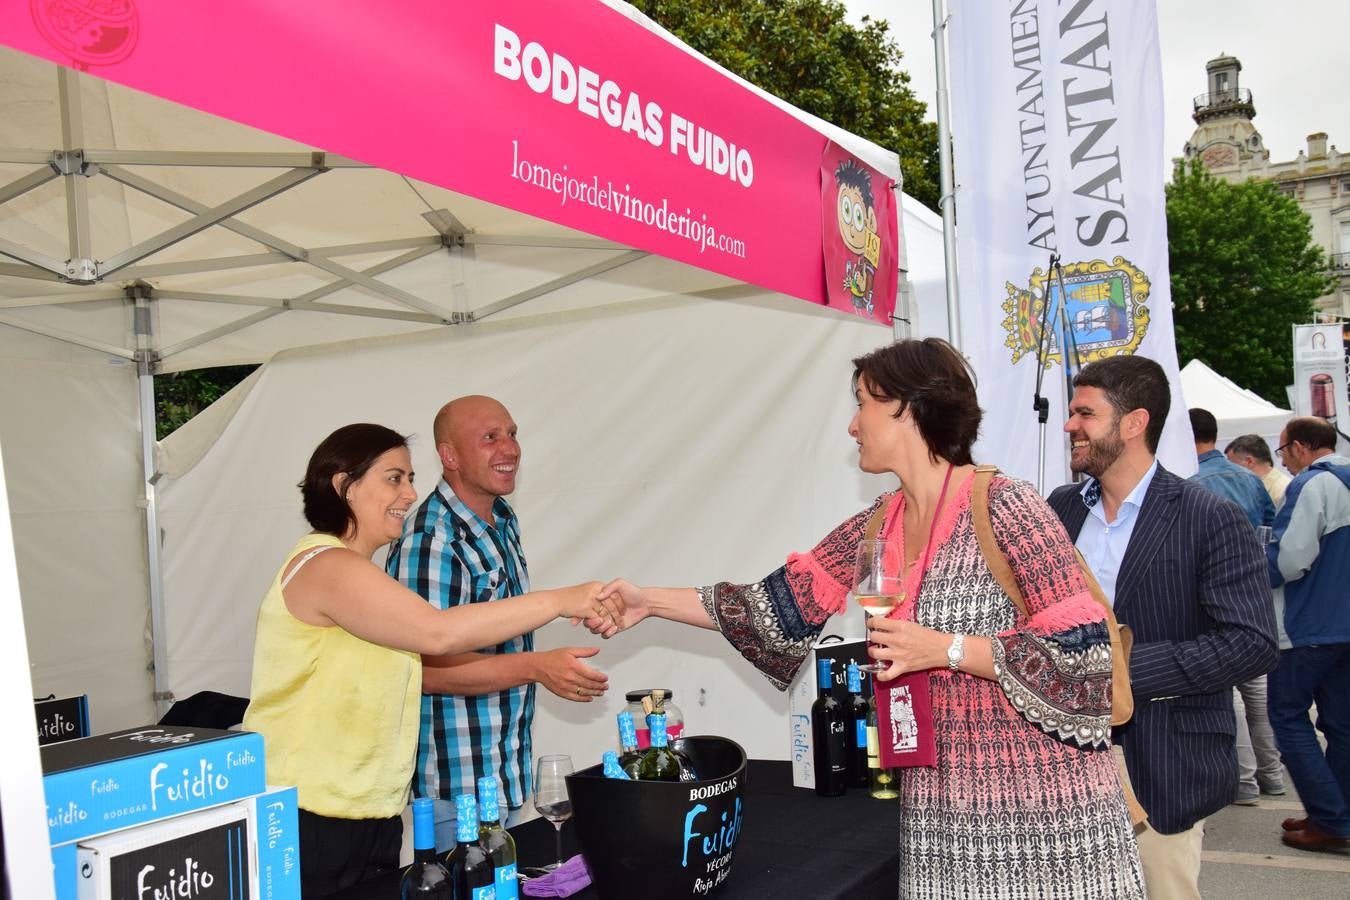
x: 665, y: 840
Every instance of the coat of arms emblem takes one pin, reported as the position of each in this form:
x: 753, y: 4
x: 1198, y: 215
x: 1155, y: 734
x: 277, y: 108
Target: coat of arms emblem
x: 1104, y: 311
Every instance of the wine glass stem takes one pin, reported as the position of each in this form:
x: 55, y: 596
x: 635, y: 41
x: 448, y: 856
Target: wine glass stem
x: 557, y: 837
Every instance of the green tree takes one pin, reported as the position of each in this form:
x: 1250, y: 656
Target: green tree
x: 181, y: 395
x: 1244, y: 269
x: 804, y: 52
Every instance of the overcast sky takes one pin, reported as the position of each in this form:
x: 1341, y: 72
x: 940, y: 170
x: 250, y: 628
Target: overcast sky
x: 1294, y: 61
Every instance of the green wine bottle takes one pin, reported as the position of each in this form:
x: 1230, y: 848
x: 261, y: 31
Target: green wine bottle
x: 496, y: 840
x: 659, y: 763
x: 632, y: 756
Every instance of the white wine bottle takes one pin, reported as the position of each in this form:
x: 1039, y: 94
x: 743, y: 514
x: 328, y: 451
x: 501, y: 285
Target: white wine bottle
x: 881, y: 781
x: 469, y: 864
x: 632, y: 756
x: 659, y: 763
x: 496, y: 840
x: 611, y: 768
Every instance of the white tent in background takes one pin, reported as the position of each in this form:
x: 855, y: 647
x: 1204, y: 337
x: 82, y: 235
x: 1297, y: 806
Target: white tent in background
x: 1238, y: 410
x: 679, y: 423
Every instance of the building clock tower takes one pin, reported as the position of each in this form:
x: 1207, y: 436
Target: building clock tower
x: 1224, y: 135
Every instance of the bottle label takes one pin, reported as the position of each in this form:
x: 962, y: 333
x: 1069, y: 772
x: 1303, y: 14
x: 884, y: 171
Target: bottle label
x: 484, y: 893
x: 860, y: 738
x: 873, y: 748
x: 507, y: 886
x: 657, y: 726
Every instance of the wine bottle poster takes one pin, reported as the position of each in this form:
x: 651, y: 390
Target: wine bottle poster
x: 905, y: 721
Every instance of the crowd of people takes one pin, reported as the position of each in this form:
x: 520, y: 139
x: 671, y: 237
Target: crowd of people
x: 370, y: 684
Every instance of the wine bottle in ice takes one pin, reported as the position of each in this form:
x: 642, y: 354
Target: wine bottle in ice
x: 609, y: 765
x: 659, y: 763
x: 631, y: 756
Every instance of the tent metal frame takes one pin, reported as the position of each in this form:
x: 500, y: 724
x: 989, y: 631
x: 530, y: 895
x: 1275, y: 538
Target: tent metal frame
x: 124, y: 275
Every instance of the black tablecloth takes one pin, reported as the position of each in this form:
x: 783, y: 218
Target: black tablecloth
x: 793, y: 844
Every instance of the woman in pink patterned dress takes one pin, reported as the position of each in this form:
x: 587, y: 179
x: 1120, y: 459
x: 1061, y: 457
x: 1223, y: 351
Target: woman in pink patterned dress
x: 1025, y: 800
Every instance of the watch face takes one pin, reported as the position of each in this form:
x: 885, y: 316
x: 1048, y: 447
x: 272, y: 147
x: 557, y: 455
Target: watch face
x: 1219, y: 155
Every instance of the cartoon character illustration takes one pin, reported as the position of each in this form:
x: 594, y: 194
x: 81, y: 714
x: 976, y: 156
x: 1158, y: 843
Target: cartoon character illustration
x: 858, y: 228
x: 904, y: 727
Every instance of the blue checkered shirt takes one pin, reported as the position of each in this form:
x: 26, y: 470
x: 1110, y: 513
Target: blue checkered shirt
x: 451, y: 556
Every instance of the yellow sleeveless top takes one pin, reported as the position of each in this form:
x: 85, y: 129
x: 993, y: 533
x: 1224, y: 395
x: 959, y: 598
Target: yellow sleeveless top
x: 339, y: 716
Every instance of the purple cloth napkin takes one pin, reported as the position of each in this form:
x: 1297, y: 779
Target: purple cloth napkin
x: 564, y: 881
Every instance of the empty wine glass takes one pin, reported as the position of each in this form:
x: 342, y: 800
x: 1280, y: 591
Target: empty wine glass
x: 876, y: 583
x: 550, y: 796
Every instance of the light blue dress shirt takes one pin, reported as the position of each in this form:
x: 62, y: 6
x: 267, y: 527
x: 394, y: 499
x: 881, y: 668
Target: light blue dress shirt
x: 1103, y: 543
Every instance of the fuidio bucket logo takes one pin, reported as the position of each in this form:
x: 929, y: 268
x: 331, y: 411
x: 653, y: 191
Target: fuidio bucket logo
x: 1105, y: 310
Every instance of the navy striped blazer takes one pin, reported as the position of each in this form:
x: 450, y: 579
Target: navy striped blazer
x: 1193, y: 587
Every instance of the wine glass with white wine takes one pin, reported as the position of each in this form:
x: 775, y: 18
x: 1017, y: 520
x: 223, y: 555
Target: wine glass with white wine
x: 550, y: 797
x: 876, y: 583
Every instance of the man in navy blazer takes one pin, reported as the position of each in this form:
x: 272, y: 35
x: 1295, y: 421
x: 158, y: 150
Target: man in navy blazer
x: 1183, y: 569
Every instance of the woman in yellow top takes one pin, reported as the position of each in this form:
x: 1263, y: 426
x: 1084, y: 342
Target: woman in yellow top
x: 337, y: 669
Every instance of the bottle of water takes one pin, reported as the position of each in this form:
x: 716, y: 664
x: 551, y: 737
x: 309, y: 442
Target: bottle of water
x: 426, y: 878
x: 496, y: 840
x: 469, y: 864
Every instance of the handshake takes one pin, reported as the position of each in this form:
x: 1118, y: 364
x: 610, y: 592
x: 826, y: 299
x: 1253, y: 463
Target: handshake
x: 607, y: 609
x: 611, y: 608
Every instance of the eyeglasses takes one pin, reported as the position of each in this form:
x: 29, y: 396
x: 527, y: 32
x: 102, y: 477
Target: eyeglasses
x: 1283, y: 447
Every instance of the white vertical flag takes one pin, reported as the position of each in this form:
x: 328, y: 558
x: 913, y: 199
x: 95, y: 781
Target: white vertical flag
x: 1057, y: 126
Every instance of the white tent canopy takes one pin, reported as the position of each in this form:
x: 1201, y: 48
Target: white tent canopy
x: 1238, y: 410
x: 219, y: 244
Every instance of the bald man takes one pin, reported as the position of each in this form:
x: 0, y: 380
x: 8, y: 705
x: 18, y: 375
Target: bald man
x: 462, y: 545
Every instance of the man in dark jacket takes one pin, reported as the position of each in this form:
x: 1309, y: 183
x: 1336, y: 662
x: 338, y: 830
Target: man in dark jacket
x: 1182, y: 570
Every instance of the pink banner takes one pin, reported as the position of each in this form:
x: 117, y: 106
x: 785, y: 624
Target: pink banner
x: 567, y: 111
x: 859, y: 235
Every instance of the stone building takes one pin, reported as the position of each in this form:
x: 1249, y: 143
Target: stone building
x: 1226, y: 140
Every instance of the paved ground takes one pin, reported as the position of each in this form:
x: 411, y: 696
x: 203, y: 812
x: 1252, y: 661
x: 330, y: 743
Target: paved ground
x: 1243, y: 857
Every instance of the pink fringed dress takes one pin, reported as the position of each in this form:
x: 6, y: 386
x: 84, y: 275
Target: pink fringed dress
x: 1024, y: 801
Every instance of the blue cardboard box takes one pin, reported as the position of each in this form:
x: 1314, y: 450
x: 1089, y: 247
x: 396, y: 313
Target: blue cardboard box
x: 276, y: 823
x: 66, y: 872
x: 111, y: 781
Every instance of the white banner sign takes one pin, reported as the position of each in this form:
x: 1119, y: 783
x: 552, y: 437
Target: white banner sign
x: 1057, y: 118
x: 1319, y: 374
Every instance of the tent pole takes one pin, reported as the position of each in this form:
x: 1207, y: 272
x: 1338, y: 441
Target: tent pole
x: 947, y: 200
x: 146, y: 363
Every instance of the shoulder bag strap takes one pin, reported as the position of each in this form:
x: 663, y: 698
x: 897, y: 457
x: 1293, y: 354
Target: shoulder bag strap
x: 878, y: 519
x: 984, y: 533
